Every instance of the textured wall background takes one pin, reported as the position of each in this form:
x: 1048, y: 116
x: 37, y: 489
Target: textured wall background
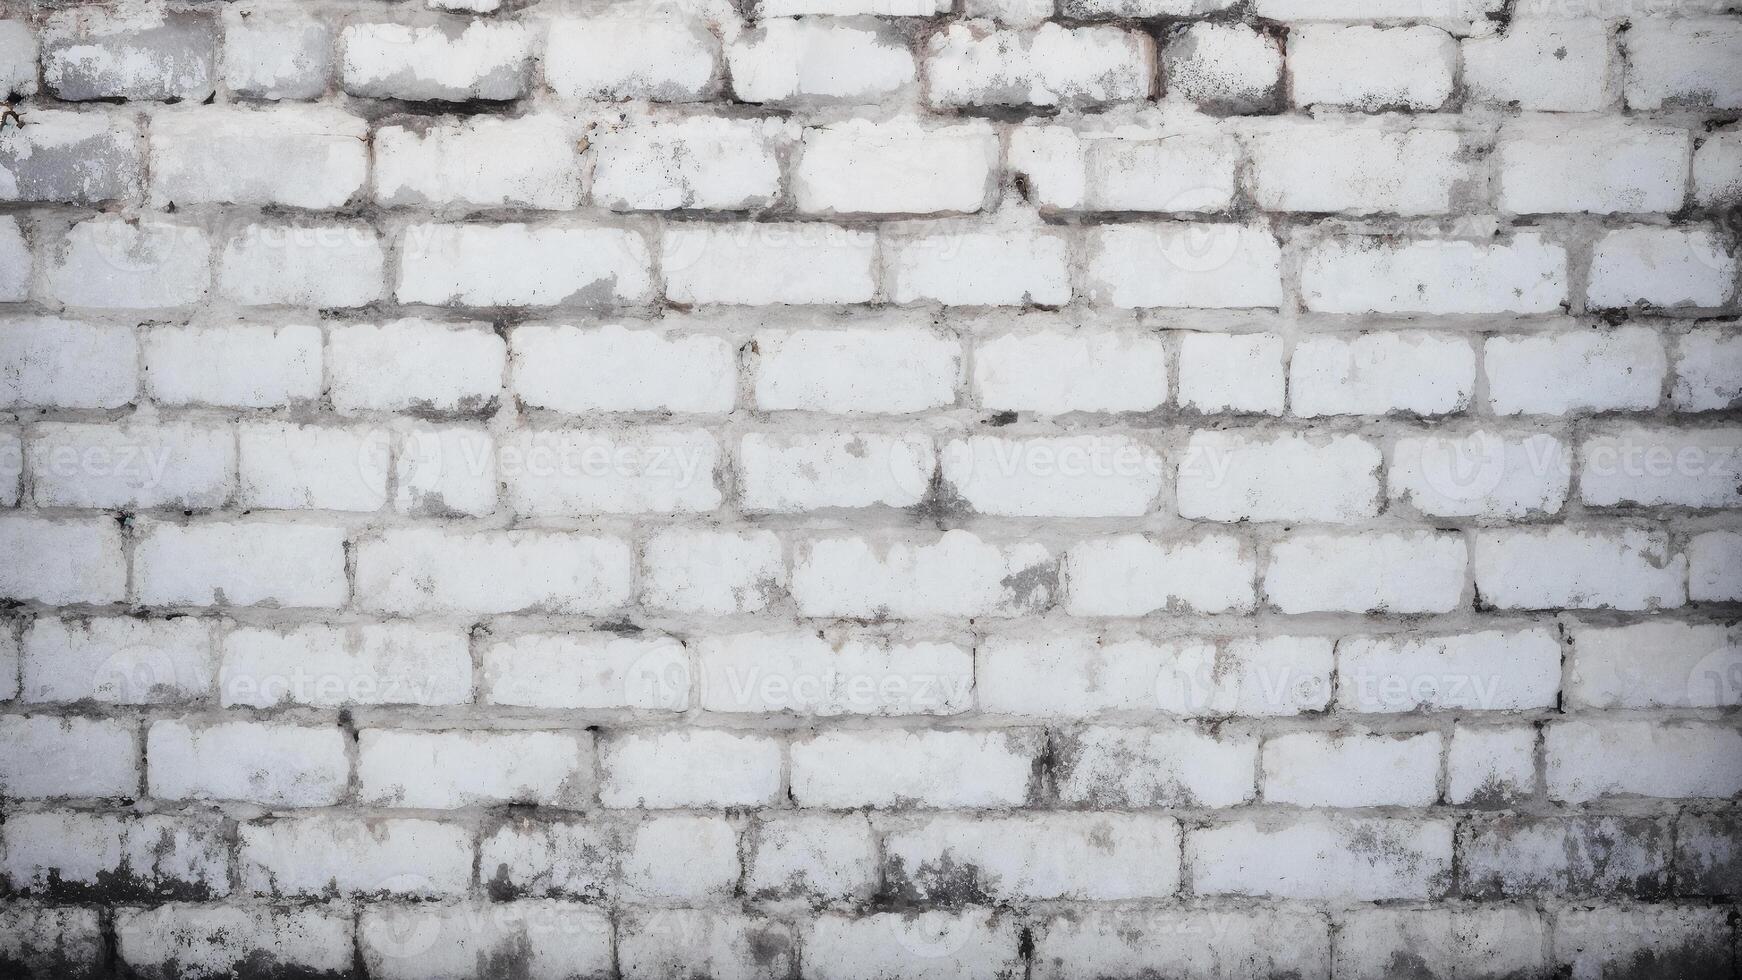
x: 871, y: 489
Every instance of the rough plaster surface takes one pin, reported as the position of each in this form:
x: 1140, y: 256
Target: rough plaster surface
x: 870, y: 489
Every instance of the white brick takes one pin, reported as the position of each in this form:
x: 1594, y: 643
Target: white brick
x: 452, y: 61
x: 1067, y: 476
x: 1601, y: 165
x: 111, y: 263
x: 445, y: 471
x: 680, y: 859
x: 1684, y: 63
x: 898, y: 366
x: 546, y: 939
x: 972, y: 944
x: 124, y: 856
x: 522, y: 265
x: 10, y: 668
x: 761, y: 263
x: 1371, y: 68
x: 84, y: 157
x: 926, y: 769
x: 808, y: 673
x: 800, y: 857
x: 1543, y: 66
x: 795, y: 472
x: 1587, y: 943
x: 1718, y: 169
x: 1580, y: 568
x: 1708, y: 370
x: 1398, y: 573
x: 1145, y: 942
x: 15, y: 262
x: 614, y: 368
x: 233, y: 365
x: 1236, y: 477
x: 132, y: 464
x: 1576, y: 371
x: 1371, y: 275
x: 1715, y: 567
x: 312, y: 467
x: 11, y: 469
x: 306, y: 157
x: 17, y: 58
x: 273, y: 52
x: 61, y: 562
x: 49, y: 941
x: 1653, y: 466
x: 1036, y: 856
x: 135, y: 52
x: 696, y: 162
x: 781, y: 60
x: 712, y: 572
x: 261, y: 762
x: 1352, y: 769
x: 1347, y: 859
x: 969, y: 264
x: 704, y: 942
x: 555, y: 472
x: 412, y: 364
x: 1589, y: 760
x: 955, y: 575
x: 1482, y: 474
x: 1377, y: 373
x: 1132, y: 575
x: 118, y: 661
x: 1127, y: 169
x: 1086, y: 370
x: 899, y: 166
x: 334, y: 666
x: 1491, y: 766
x: 847, y: 8
x: 241, y: 563
x: 1081, y: 675
x: 325, y: 266
x: 689, y: 768
x: 220, y: 940
x: 659, y: 56
x: 1232, y: 373
x: 424, y: 570
x: 1488, y: 671
x: 1119, y: 768
x: 1655, y: 665
x: 972, y: 63
x: 1314, y: 10
x: 1661, y: 267
x: 445, y: 770
x: 480, y: 161
x: 1474, y: 942
x: 1352, y: 169
x: 1184, y: 264
x: 587, y: 671
x: 330, y: 855
x: 42, y: 757
x: 1221, y: 68
x: 522, y: 856
x: 50, y: 362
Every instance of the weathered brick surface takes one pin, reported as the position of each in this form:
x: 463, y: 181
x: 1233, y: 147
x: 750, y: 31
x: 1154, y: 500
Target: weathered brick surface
x: 870, y: 489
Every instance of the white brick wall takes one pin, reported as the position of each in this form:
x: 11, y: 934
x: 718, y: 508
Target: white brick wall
x: 870, y: 489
